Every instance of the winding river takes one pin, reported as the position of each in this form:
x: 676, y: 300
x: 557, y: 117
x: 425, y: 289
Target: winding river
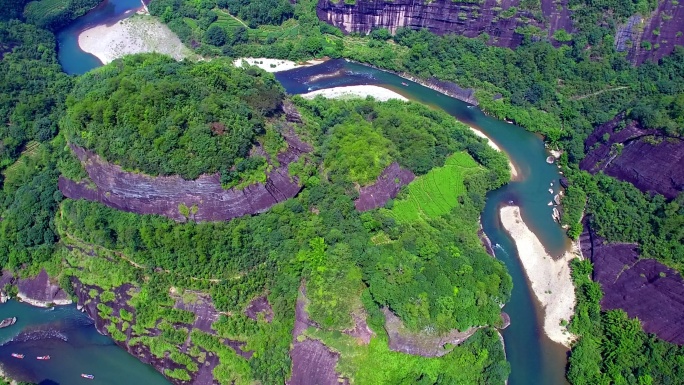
x: 70, y: 338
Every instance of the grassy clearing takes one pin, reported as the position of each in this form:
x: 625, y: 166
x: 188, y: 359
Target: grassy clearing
x: 437, y: 192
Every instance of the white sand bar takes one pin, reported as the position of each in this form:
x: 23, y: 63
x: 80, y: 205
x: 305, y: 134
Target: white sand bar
x: 514, y: 171
x: 355, y: 92
x: 274, y: 65
x: 550, y: 279
x: 136, y: 34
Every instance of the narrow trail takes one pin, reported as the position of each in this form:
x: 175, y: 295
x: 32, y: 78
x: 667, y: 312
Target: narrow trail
x: 238, y: 20
x: 598, y: 93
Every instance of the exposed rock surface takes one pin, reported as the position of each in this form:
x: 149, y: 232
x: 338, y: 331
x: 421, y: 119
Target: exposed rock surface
x: 468, y: 18
x: 506, y: 320
x: 401, y: 340
x: 664, y: 28
x: 386, y: 187
x: 39, y: 291
x: 204, y: 197
x: 361, y: 331
x: 198, y: 303
x: 644, y: 288
x: 312, y: 362
x: 257, y: 306
x: 648, y: 160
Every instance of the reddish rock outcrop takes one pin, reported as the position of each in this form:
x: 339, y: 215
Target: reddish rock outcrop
x: 444, y: 16
x: 386, y: 187
x: 198, y: 303
x: 653, y: 37
x: 257, y: 306
x: 404, y: 341
x: 312, y: 362
x: 40, y: 291
x: 644, y: 288
x: 647, y: 159
x: 204, y: 197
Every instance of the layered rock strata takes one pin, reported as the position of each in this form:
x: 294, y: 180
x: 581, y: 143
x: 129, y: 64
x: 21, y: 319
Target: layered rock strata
x: 204, y: 198
x: 652, y: 37
x: 312, y: 361
x: 386, y: 187
x: 497, y: 18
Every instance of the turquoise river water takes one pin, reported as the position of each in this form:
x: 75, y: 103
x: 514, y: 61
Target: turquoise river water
x: 70, y: 338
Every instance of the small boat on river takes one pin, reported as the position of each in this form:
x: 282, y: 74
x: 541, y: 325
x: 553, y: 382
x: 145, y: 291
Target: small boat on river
x: 8, y: 322
x: 43, y: 358
x: 17, y: 355
x: 88, y: 376
x: 404, y: 84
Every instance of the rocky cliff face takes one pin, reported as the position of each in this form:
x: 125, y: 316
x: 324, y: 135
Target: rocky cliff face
x: 386, y: 187
x: 204, y: 197
x: 647, y: 159
x: 644, y: 288
x: 205, y: 315
x: 497, y: 18
x: 652, y: 37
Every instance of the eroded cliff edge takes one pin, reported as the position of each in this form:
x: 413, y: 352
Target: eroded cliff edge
x: 647, y: 158
x: 644, y: 288
x: 204, y: 197
x: 497, y: 18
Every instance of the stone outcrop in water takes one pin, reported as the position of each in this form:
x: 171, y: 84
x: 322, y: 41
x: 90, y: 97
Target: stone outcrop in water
x: 646, y: 158
x: 644, y: 288
x: 386, y: 187
x: 497, y: 18
x: 652, y: 37
x: 37, y: 291
x: 204, y: 197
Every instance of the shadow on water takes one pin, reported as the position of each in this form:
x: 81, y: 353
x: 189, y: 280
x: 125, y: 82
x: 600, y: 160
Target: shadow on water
x: 534, y: 358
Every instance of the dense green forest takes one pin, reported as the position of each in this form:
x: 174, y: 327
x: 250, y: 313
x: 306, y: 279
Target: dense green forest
x: 422, y: 259
x: 203, y: 117
x: 562, y: 93
x: 404, y: 264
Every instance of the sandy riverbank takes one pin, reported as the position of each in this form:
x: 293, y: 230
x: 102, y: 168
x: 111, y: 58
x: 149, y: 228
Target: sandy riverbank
x: 351, y: 92
x: 514, y: 170
x: 37, y: 303
x: 550, y: 279
x: 274, y: 65
x: 136, y: 34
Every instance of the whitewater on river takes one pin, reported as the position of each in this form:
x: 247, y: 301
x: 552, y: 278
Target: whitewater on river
x: 70, y: 338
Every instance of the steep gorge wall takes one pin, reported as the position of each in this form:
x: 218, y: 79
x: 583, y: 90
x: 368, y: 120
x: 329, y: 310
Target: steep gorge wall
x: 647, y: 159
x: 653, y: 37
x: 205, y: 197
x: 644, y: 288
x: 445, y: 16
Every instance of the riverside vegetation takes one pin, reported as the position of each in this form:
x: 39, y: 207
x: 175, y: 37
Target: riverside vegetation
x: 560, y: 92
x: 401, y: 258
